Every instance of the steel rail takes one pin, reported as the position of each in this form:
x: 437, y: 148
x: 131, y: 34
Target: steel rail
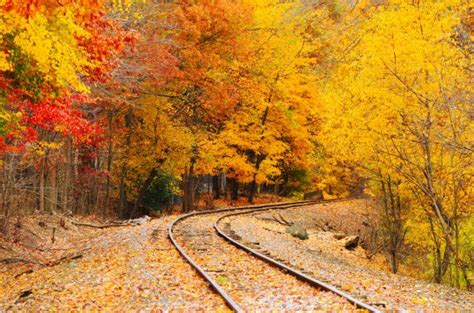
x: 228, y: 299
x: 313, y: 281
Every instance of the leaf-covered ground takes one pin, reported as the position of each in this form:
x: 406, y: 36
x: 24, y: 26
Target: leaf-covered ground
x: 136, y: 268
x: 124, y: 269
x: 252, y: 283
x: 324, y: 257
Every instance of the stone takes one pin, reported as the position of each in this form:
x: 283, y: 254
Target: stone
x: 298, y: 231
x: 314, y: 195
x: 351, y: 242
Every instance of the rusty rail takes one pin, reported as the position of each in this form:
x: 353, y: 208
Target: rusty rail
x: 246, y: 210
x: 214, y: 285
x: 311, y: 280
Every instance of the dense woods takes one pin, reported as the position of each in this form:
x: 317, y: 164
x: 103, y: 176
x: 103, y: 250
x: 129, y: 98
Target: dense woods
x: 124, y: 107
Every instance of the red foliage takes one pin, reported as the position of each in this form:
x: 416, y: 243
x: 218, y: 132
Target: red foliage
x: 29, y: 7
x: 206, y: 39
x: 105, y: 45
x: 63, y: 113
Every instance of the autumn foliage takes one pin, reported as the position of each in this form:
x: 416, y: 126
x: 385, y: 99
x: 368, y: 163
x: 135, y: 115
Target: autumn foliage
x: 102, y: 103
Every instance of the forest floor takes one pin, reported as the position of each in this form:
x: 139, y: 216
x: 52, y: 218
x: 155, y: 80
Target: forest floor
x: 135, y: 267
x: 324, y: 257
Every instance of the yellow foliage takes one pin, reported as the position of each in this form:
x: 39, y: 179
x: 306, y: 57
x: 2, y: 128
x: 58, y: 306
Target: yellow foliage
x: 397, y: 105
x: 50, y: 42
x: 277, y: 98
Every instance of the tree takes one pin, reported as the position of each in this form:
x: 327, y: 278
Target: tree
x: 208, y: 44
x: 51, y: 52
x: 398, y: 102
x: 274, y: 120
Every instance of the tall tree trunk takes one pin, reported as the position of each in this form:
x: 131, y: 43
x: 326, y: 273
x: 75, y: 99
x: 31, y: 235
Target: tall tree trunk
x: 259, y: 157
x: 75, y: 204
x: 216, y: 187
x: 234, y: 189
x: 188, y: 201
x: 252, y: 190
x: 41, y: 184
x: 123, y: 174
x: 392, y: 227
x: 52, y: 191
x: 109, y: 164
x: 67, y: 175
x: 7, y: 194
x: 253, y: 184
x: 122, y: 191
x: 137, y: 208
x: 443, y: 265
x: 393, y: 261
x: 95, y: 190
x: 5, y: 179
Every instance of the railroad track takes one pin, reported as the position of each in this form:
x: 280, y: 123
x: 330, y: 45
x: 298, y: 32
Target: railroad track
x: 241, y: 275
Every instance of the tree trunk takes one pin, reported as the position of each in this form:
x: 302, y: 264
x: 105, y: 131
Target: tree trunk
x: 109, y: 164
x: 392, y: 227
x: 252, y: 190
x: 41, y: 185
x: 123, y: 174
x: 189, y: 180
x: 52, y: 191
x: 253, y: 184
x: 95, y: 190
x: 234, y: 189
x: 394, y: 261
x: 442, y: 265
x: 67, y: 175
x: 137, y: 208
x: 216, y: 188
x: 122, y: 191
x: 7, y: 192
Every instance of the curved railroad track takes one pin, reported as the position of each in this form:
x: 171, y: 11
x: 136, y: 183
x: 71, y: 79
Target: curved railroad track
x: 241, y: 275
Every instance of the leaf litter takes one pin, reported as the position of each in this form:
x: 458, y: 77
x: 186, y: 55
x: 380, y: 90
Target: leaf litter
x: 126, y: 269
x: 252, y: 283
x: 324, y: 257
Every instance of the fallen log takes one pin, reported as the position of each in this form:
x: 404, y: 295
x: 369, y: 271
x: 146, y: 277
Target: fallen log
x: 285, y: 222
x: 65, y: 259
x: 29, y: 271
x: 133, y: 222
x: 275, y: 231
x: 18, y: 260
x: 99, y: 226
